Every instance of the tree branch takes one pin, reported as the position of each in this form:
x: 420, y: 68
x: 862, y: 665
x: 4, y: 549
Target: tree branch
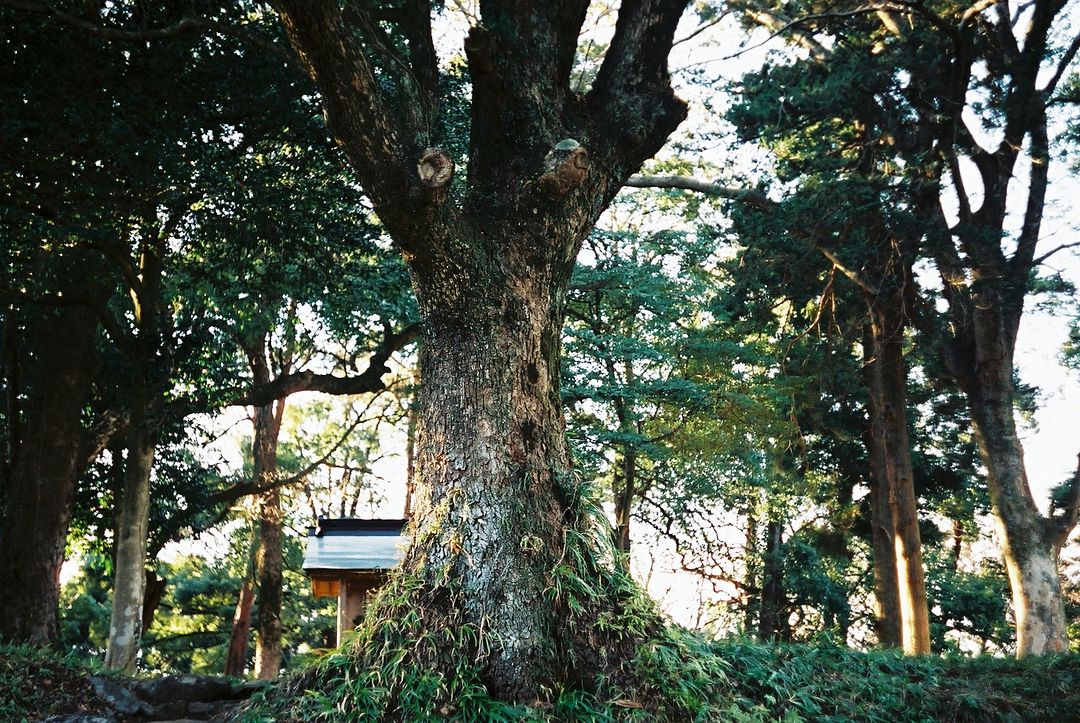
x: 1055, y: 250
x: 1063, y: 65
x: 370, y: 380
x: 360, y: 117
x: 1061, y: 525
x: 632, y: 92
x: 253, y: 487
x: 743, y: 195
x: 186, y: 25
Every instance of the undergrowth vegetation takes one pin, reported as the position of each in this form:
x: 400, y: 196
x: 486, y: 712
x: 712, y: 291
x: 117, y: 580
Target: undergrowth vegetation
x: 738, y: 681
x: 36, y: 683
x: 416, y: 658
x: 690, y: 679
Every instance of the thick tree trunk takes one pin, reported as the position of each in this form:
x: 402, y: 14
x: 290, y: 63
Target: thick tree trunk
x: 498, y: 526
x: 890, y: 452
x: 125, y: 626
x: 1030, y: 551
x: 493, y: 465
x: 42, y: 479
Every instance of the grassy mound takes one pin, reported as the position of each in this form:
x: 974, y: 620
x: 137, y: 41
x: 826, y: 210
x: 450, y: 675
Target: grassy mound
x: 36, y: 683
x: 825, y: 682
x: 729, y: 681
x: 416, y: 658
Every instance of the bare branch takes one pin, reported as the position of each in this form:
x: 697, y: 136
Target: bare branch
x: 1053, y: 251
x: 712, y: 23
x: 370, y: 380
x: 1063, y: 65
x: 743, y: 195
x: 253, y: 487
x: 853, y: 275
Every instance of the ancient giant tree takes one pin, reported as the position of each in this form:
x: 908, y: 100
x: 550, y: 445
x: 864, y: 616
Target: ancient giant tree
x: 490, y: 238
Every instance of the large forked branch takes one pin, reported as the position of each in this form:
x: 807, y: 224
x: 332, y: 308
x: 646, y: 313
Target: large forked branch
x: 632, y: 92
x: 520, y: 58
x: 370, y: 380
x: 360, y: 117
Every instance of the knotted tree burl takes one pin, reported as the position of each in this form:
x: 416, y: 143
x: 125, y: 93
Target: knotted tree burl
x: 490, y: 237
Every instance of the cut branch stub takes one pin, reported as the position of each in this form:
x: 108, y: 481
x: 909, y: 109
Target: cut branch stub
x: 435, y: 168
x: 565, y: 168
x: 480, y: 51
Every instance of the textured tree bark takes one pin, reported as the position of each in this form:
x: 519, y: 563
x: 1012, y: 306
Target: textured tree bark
x: 491, y: 463
x: 890, y: 451
x: 125, y: 626
x: 34, y: 529
x: 270, y: 563
x: 237, y: 656
x: 886, y: 590
x: 1029, y: 545
x: 269, y: 551
x: 495, y: 506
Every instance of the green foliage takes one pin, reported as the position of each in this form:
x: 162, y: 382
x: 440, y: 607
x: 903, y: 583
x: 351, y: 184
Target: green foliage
x: 970, y: 602
x: 191, y: 626
x: 824, y: 682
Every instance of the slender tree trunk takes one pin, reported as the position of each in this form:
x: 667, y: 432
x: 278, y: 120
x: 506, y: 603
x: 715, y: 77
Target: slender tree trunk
x: 891, y: 451
x: 625, y: 488
x: 886, y: 583
x: 269, y: 554
x: 37, y: 511
x: 237, y: 656
x: 149, y: 380
x: 270, y: 564
x: 125, y: 626
x: 1029, y: 547
x: 154, y: 591
x: 773, y: 622
x: 750, y: 580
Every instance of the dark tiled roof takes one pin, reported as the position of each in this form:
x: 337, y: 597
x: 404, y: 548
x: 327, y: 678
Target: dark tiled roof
x: 354, y: 545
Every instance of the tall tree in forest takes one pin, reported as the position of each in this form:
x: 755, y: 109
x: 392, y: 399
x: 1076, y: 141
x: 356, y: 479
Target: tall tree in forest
x: 903, y: 84
x: 490, y: 255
